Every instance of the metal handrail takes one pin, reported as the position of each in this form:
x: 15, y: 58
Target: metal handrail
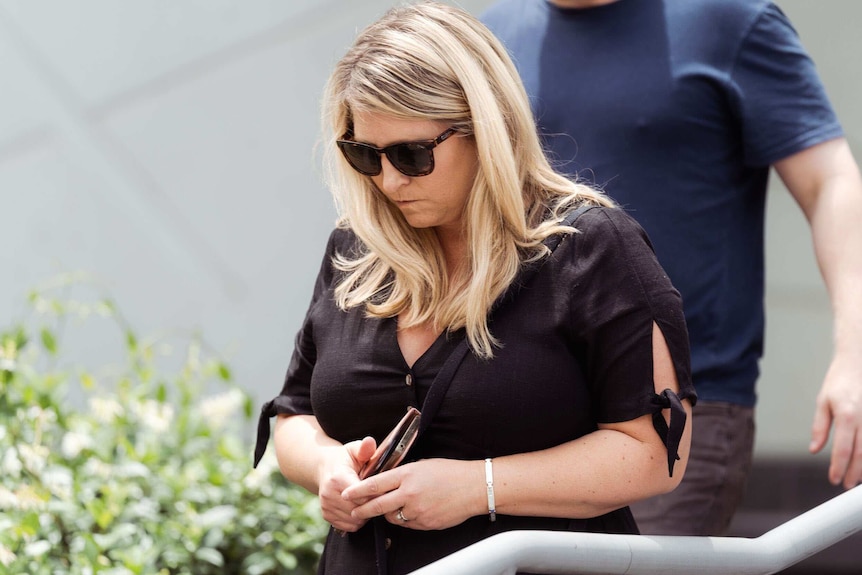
x: 566, y: 553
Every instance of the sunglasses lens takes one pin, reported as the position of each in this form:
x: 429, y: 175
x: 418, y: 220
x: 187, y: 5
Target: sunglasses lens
x: 411, y: 159
x: 364, y: 160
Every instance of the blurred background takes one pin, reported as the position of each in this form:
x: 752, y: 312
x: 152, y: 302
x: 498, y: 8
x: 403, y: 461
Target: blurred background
x: 167, y: 150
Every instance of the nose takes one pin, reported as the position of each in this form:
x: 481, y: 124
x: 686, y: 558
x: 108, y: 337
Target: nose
x: 392, y: 178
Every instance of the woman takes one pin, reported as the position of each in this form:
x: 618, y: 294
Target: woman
x: 449, y: 212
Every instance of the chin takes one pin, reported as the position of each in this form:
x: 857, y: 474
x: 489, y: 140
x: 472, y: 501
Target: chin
x: 420, y: 223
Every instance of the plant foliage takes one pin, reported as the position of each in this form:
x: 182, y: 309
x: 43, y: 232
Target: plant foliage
x: 149, y: 473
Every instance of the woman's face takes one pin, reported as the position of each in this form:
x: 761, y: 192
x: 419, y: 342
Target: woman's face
x: 437, y: 200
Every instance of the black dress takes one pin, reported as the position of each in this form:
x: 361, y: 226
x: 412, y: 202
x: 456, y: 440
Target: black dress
x: 576, y: 351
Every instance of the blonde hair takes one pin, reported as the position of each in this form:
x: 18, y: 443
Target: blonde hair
x: 430, y: 61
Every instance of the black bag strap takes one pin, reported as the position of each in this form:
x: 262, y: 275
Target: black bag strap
x: 440, y: 385
x: 553, y: 241
x: 444, y: 377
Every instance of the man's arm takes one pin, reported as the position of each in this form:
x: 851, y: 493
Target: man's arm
x: 826, y: 183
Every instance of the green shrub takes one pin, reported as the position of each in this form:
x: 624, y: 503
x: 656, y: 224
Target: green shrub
x: 136, y: 468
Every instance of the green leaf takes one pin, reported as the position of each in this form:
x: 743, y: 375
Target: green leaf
x: 106, y: 308
x: 285, y: 559
x: 29, y: 524
x: 224, y: 372
x: 49, y: 341
x: 131, y: 341
x: 88, y: 382
x: 217, y: 516
x: 258, y: 564
x: 100, y: 513
x: 210, y: 555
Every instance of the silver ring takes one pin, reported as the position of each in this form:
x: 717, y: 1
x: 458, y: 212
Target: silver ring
x: 401, y: 517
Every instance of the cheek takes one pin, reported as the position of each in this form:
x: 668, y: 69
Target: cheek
x: 457, y: 191
x: 466, y: 179
x: 460, y: 174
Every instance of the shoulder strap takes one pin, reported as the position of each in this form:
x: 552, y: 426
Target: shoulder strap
x: 441, y: 384
x: 553, y: 241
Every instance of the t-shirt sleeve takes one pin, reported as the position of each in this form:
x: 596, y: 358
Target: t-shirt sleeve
x: 295, y: 395
x: 781, y: 101
x: 620, y: 291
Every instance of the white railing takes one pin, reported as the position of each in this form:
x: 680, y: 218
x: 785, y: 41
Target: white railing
x: 566, y: 553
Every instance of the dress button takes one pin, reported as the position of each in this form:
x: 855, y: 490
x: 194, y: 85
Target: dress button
x: 409, y: 379
x: 388, y: 543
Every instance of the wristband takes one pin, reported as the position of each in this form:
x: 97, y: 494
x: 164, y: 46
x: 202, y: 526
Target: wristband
x: 489, y: 482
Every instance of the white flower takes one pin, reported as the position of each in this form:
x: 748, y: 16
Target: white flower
x: 144, y: 508
x: 98, y: 468
x: 28, y: 499
x: 155, y: 415
x: 58, y: 480
x: 105, y: 410
x: 2, y: 432
x: 219, y: 409
x: 37, y: 548
x: 131, y: 469
x: 6, y: 556
x: 34, y: 457
x: 74, y: 443
x: 11, y: 464
x: 258, y: 479
x: 36, y: 412
x: 8, y: 500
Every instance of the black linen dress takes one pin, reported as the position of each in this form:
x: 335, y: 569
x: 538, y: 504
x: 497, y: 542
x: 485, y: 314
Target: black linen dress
x: 576, y: 351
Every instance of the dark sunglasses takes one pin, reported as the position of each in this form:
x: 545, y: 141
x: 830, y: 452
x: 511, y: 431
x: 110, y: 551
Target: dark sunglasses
x: 410, y: 158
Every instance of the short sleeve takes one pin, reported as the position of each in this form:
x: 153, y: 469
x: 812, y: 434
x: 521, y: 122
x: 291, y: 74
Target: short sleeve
x: 783, y: 105
x: 620, y: 291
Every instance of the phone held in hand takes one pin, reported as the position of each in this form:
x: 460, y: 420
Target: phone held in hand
x: 394, y: 447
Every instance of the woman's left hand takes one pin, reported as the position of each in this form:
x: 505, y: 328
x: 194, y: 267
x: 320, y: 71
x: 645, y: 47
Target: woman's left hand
x: 426, y: 494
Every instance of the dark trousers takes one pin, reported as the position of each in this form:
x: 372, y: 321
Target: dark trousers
x: 714, y: 481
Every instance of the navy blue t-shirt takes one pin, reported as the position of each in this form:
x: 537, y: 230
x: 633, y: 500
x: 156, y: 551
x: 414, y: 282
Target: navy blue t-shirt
x: 677, y: 108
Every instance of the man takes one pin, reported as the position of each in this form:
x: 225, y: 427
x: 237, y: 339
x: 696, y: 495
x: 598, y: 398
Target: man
x: 678, y: 108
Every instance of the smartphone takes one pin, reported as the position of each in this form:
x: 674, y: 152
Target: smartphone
x: 393, y: 448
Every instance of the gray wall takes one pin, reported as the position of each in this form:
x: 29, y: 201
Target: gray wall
x: 168, y: 150
x: 799, y: 324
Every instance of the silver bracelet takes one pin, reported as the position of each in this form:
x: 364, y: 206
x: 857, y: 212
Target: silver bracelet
x: 489, y: 482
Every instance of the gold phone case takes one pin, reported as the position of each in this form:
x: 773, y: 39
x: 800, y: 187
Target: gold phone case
x: 393, y: 448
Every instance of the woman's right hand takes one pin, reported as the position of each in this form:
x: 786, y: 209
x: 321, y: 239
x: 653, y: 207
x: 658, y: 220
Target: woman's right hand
x: 338, y: 472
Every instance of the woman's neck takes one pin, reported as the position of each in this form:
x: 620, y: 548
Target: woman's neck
x: 454, y: 246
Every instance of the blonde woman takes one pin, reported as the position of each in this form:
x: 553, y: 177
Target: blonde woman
x: 573, y: 399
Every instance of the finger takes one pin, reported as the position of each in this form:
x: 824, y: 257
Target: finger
x: 820, y: 426
x: 398, y: 517
x: 387, y: 505
x: 361, y: 451
x: 842, y: 448
x: 854, y: 470
x: 366, y: 450
x: 349, y: 525
x: 371, y: 487
x: 336, y: 511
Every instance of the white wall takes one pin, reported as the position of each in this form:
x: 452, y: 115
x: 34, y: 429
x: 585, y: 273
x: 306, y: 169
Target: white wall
x: 167, y: 149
